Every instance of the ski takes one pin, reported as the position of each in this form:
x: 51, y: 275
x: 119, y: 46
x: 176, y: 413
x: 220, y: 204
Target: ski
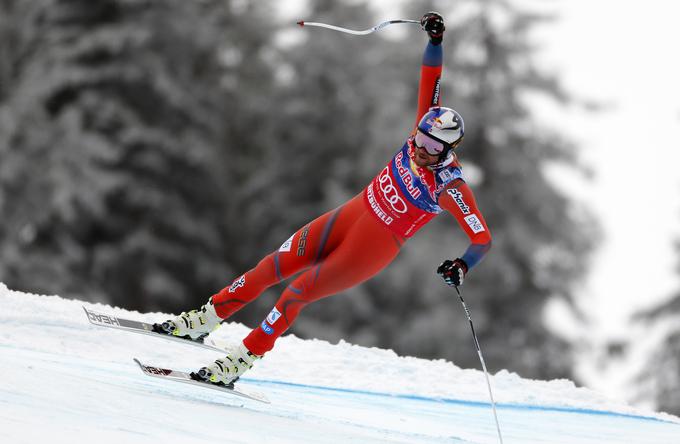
x: 186, y: 378
x: 107, y: 320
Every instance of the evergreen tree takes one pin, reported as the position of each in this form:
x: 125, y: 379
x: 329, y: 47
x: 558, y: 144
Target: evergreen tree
x: 112, y: 144
x: 660, y: 378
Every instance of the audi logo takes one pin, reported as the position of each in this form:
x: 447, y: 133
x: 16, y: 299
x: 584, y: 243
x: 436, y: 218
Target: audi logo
x: 390, y: 192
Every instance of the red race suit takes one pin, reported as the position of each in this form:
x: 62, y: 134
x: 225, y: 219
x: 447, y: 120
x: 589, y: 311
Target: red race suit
x: 355, y: 241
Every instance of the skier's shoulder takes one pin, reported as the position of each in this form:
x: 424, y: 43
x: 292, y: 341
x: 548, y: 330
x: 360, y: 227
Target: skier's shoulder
x: 448, y: 172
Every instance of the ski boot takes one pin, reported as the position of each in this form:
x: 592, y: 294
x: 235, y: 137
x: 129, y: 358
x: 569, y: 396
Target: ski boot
x: 228, y: 370
x: 194, y: 325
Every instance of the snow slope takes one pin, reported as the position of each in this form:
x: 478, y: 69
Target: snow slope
x: 64, y: 380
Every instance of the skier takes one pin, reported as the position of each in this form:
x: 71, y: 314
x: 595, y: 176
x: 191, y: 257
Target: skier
x: 353, y: 242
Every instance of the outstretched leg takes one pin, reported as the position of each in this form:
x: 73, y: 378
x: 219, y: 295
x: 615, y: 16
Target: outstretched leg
x: 302, y: 250
x: 367, y: 248
x: 345, y: 247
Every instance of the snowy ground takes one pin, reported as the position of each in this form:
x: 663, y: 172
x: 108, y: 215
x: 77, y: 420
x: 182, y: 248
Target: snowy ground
x: 67, y: 381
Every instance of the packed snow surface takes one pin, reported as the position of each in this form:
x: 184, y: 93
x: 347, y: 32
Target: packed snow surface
x: 65, y: 380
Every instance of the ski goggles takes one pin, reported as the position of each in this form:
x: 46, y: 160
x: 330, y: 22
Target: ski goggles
x: 431, y: 146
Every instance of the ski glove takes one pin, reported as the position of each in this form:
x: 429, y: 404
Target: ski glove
x: 453, y: 272
x: 433, y: 24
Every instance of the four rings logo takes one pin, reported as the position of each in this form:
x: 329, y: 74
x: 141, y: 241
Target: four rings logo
x: 390, y: 192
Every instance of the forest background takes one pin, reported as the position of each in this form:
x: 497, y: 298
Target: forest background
x: 152, y: 151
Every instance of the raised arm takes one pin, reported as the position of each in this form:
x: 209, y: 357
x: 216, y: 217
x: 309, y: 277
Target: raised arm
x: 431, y: 68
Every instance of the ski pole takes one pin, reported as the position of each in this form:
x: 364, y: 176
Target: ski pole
x: 376, y: 28
x: 481, y: 358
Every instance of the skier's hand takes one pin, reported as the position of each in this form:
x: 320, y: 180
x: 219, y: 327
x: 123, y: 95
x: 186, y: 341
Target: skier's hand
x: 453, y: 272
x: 433, y: 24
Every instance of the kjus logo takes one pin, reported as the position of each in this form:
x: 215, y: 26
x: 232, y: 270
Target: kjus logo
x: 302, y: 242
x: 238, y: 283
x: 390, y: 192
x: 457, y: 197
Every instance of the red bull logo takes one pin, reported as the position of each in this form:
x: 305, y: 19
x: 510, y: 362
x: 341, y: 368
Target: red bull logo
x: 406, y: 176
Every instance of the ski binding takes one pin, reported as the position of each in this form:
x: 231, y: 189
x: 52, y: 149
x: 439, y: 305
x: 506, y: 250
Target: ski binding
x: 188, y: 378
x: 107, y: 320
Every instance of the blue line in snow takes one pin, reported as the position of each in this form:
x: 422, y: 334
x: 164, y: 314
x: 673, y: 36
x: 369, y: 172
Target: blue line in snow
x: 509, y: 406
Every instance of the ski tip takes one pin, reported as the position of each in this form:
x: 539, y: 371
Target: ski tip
x: 301, y: 23
x: 89, y: 314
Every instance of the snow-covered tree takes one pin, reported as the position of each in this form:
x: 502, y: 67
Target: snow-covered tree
x: 660, y: 378
x: 112, y: 138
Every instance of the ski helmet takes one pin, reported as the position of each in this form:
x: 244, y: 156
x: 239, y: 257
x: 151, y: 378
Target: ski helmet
x: 444, y: 127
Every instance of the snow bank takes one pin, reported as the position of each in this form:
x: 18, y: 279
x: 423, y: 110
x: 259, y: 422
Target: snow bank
x: 295, y: 361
